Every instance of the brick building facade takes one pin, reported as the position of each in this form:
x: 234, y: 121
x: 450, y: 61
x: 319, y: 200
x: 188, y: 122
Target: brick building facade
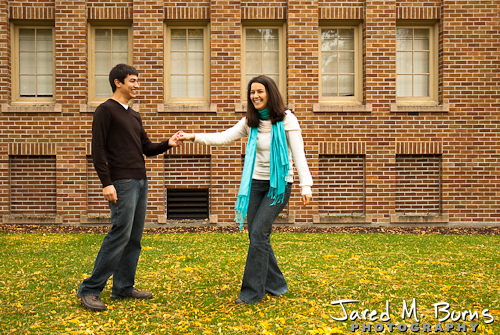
x: 378, y: 155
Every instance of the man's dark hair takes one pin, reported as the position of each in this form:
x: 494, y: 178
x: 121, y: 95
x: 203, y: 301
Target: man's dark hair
x: 275, y: 102
x: 120, y: 72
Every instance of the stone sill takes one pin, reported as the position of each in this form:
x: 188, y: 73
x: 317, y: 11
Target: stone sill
x: 95, y: 219
x: 342, y: 108
x: 174, y: 108
x: 33, y: 219
x: 420, y: 218
x: 162, y: 219
x: 32, y: 108
x: 164, y: 222
x: 91, y: 108
x: 282, y: 219
x: 342, y: 219
x: 242, y: 107
x: 290, y: 219
x: 444, y: 108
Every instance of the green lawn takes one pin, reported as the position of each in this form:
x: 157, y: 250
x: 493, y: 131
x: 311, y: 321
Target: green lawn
x: 196, y: 277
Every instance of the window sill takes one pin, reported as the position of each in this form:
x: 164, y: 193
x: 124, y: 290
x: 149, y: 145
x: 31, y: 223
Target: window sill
x: 186, y: 108
x: 342, y: 219
x: 400, y: 108
x: 162, y: 220
x: 281, y: 219
x: 31, y: 108
x: 284, y: 219
x: 95, y: 219
x: 420, y: 218
x: 90, y: 108
x: 242, y: 107
x: 341, y: 108
x: 33, y: 219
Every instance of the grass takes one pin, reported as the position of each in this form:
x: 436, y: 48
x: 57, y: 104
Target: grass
x: 196, y: 277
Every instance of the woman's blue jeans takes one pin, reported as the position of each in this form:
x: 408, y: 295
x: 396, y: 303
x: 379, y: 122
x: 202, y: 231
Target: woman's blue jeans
x: 120, y: 249
x: 262, y: 274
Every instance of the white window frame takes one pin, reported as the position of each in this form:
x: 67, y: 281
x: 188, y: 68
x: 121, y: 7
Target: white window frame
x: 433, y: 98
x: 17, y: 100
x: 260, y: 24
x: 92, y: 99
x: 187, y: 101
x: 357, y: 99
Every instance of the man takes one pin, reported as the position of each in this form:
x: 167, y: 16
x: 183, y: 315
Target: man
x: 118, y: 145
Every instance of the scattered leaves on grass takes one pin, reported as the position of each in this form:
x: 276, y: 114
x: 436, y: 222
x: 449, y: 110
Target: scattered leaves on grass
x: 196, y: 277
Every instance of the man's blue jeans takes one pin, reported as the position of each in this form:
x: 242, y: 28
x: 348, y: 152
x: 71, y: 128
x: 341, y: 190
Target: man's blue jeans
x: 262, y: 274
x: 120, y: 249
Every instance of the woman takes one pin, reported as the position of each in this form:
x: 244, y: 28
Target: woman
x: 274, y: 138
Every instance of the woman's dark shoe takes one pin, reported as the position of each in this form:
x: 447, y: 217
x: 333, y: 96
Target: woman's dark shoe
x: 239, y: 302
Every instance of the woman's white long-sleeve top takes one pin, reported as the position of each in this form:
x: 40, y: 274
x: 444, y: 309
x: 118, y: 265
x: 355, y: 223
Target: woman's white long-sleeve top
x: 261, y: 169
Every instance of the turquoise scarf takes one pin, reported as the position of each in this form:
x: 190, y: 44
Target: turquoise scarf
x: 279, y: 165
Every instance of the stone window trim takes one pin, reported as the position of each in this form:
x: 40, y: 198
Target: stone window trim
x: 433, y: 59
x: 343, y: 108
x: 17, y: 99
x: 188, y: 104
x: 186, y: 108
x: 31, y: 108
x: 356, y: 98
x: 92, y: 27
x: 441, y: 108
x: 281, y: 26
x: 90, y: 108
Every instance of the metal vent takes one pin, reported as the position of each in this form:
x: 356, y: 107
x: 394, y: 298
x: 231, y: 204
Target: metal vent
x: 187, y: 204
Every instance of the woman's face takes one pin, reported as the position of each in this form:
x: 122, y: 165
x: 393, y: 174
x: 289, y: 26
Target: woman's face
x: 258, y: 96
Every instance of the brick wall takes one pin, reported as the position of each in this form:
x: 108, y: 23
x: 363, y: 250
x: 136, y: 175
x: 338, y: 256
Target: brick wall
x: 33, y: 185
x: 418, y: 181
x: 341, y: 186
x: 187, y: 171
x: 462, y: 131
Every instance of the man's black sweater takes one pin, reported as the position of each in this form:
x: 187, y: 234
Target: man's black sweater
x: 119, y: 142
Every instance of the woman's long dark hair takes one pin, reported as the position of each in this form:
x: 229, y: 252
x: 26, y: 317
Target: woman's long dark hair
x: 275, y: 102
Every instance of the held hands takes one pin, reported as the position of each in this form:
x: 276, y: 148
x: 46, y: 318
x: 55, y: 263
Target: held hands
x: 175, y: 141
x: 179, y: 137
x: 185, y: 136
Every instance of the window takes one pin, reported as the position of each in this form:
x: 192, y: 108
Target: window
x: 263, y: 54
x: 341, y: 74
x: 109, y: 46
x: 33, y: 65
x: 416, y: 67
x: 187, y: 71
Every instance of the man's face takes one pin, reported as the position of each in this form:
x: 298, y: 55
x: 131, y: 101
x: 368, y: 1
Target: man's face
x: 129, y: 87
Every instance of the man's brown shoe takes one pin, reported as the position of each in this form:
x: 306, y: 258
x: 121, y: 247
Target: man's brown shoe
x: 92, y: 302
x: 136, y: 294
